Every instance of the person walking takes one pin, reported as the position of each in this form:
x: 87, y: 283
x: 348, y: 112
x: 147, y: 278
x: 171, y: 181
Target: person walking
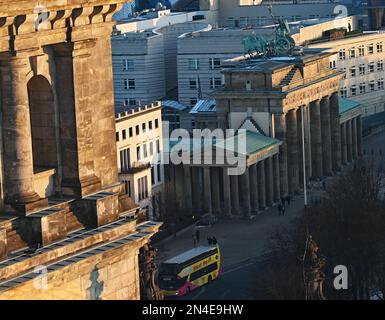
x: 197, y: 235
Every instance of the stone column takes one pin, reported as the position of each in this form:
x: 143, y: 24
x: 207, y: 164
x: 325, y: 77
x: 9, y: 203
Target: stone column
x: 299, y: 146
x: 226, y: 193
x: 197, y: 189
x: 179, y: 185
x: 254, y: 188
x: 269, y: 181
x: 344, y: 150
x: 215, y: 190
x: 17, y: 143
x: 187, y: 189
x: 349, y: 139
x: 335, y: 131
x: 207, y: 189
x: 326, y: 137
x: 316, y: 138
x: 234, y: 194
x: 292, y: 151
x: 245, y: 185
x: 73, y: 61
x: 359, y: 135
x: 354, y: 138
x: 308, y: 162
x: 280, y: 131
x: 261, y: 184
x: 277, y: 194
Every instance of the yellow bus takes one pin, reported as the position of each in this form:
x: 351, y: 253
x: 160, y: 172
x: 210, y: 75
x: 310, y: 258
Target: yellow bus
x: 189, y: 270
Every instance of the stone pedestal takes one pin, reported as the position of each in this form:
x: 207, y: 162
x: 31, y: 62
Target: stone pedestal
x: 99, y: 209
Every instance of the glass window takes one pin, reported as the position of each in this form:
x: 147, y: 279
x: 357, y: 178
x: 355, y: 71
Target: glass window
x: 143, y: 127
x: 362, y: 88
x: 370, y: 49
x: 193, y: 83
x: 380, y: 65
x: 193, y: 64
x: 215, y: 63
x: 137, y: 130
x: 117, y: 136
x: 342, y: 54
x: 379, y: 46
x: 129, y: 84
x: 215, y: 83
x: 145, y: 151
x: 130, y: 133
x: 156, y: 123
x: 353, y: 72
x: 128, y: 64
x: 150, y: 125
x: 138, y: 152
x: 371, y: 67
x: 124, y: 136
x: 353, y: 91
x: 352, y: 53
x: 362, y: 69
x: 361, y: 51
x: 380, y: 84
x: 372, y: 86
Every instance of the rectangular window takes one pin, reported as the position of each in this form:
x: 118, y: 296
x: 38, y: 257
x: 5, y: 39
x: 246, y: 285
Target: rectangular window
x: 380, y: 65
x: 193, y: 83
x: 138, y: 153
x: 342, y: 54
x: 156, y: 123
x: 137, y: 130
x: 370, y: 49
x: 130, y: 133
x: 193, y: 101
x: 371, y: 67
x: 380, y: 84
x: 157, y: 146
x: 353, y: 91
x: 159, y: 169
x: 125, y: 161
x: 117, y: 136
x: 353, y: 72
x: 372, y: 86
x: 379, y: 46
x: 361, y: 51
x: 129, y: 84
x: 352, y: 53
x: 215, y: 63
x: 145, y: 151
x: 128, y: 64
x: 124, y: 135
x: 362, y: 69
x: 243, y: 22
x: 150, y: 125
x: 151, y: 148
x: 215, y: 83
x: 362, y: 88
x: 344, y: 92
x: 143, y: 127
x: 152, y: 176
x: 193, y: 64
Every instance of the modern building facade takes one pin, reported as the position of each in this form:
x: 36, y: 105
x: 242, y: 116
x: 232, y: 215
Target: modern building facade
x: 60, y: 193
x: 271, y: 100
x: 362, y: 56
x: 139, y: 142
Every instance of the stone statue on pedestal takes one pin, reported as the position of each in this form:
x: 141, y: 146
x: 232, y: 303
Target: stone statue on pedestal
x: 149, y: 289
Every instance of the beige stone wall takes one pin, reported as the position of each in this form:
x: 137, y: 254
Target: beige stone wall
x: 113, y: 275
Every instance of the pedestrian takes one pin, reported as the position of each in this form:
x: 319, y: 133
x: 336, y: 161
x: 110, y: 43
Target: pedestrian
x: 283, y: 210
x: 279, y: 209
x: 197, y: 235
x: 214, y: 241
x: 209, y: 241
x: 195, y: 240
x: 288, y: 200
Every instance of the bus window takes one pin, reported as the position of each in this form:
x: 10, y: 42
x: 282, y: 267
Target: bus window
x: 202, y: 272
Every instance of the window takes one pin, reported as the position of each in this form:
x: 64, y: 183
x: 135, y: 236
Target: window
x: 353, y: 72
x: 344, y: 92
x: 128, y: 64
x: 215, y: 83
x: 230, y: 22
x: 117, y: 136
x: 129, y: 102
x: 371, y: 67
x: 129, y: 84
x: 353, y: 90
x: 125, y: 160
x: 362, y: 88
x: 362, y: 69
x: 151, y: 148
x: 193, y: 101
x: 150, y: 125
x: 145, y: 151
x: 157, y: 146
x: 361, y: 51
x: 372, y: 86
x: 379, y: 46
x: 332, y: 64
x: 370, y: 49
x: 130, y: 133
x: 380, y: 65
x: 193, y: 64
x: 143, y: 127
x: 124, y: 135
x: 128, y: 187
x: 215, y: 63
x: 380, y: 84
x: 159, y: 170
x: 352, y: 53
x: 138, y: 152
x: 142, y: 188
x: 152, y: 176
x: 156, y: 123
x: 193, y: 83
x: 243, y: 22
x: 342, y: 54
x: 137, y: 130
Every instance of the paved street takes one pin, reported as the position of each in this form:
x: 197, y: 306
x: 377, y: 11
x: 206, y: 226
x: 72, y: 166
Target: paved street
x: 242, y: 242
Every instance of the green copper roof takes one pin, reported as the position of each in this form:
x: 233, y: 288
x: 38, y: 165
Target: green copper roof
x: 347, y: 105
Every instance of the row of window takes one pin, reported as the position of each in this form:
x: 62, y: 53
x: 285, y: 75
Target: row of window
x: 360, y: 51
x: 123, y: 136
x: 214, y: 63
x: 125, y: 158
x: 363, y: 68
x: 215, y: 83
x: 362, y: 88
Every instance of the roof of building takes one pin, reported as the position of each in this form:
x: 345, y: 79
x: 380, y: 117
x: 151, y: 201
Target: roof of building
x: 346, y: 105
x: 185, y: 256
x: 208, y: 105
x: 173, y: 105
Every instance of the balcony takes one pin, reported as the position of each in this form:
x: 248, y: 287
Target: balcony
x: 136, y: 167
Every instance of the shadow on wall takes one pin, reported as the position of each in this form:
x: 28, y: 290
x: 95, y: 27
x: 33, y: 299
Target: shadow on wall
x: 96, y: 288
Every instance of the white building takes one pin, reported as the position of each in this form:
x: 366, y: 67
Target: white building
x: 200, y: 53
x: 139, y: 142
x: 362, y: 56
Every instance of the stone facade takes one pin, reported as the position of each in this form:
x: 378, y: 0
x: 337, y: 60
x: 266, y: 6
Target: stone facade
x: 60, y: 191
